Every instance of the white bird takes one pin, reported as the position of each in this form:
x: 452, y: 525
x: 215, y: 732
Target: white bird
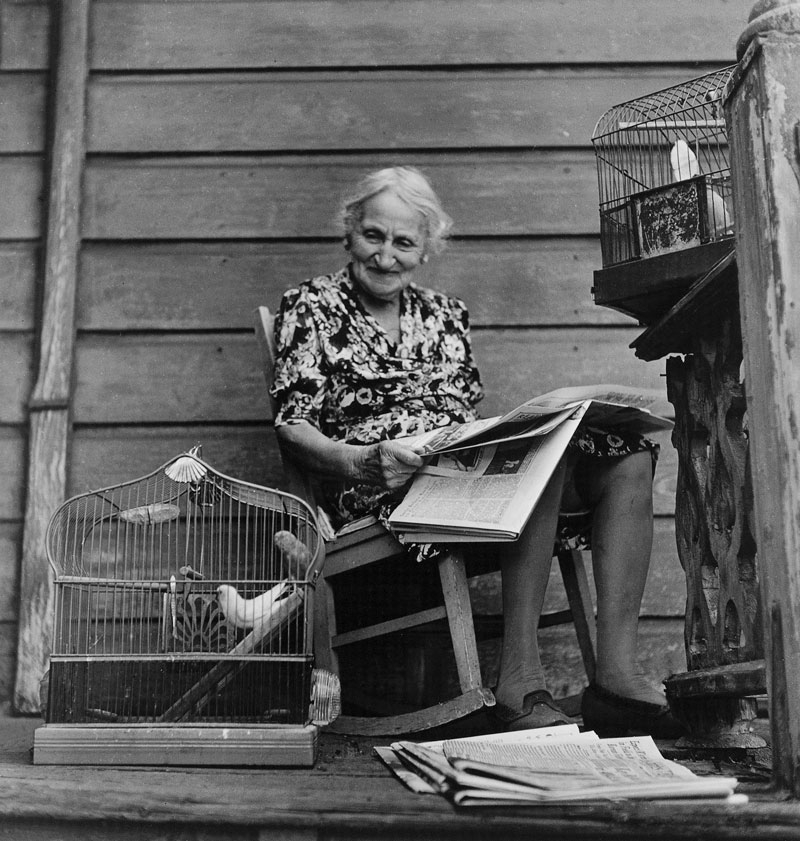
x: 720, y: 218
x: 683, y: 161
x: 685, y: 165
x: 247, y: 613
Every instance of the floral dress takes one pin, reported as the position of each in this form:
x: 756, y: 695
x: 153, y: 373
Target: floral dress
x: 337, y: 369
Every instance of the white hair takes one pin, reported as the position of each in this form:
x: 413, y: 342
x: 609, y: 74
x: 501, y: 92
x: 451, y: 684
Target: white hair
x: 408, y: 184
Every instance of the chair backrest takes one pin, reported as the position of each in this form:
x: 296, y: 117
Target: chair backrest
x: 297, y: 480
x: 265, y: 336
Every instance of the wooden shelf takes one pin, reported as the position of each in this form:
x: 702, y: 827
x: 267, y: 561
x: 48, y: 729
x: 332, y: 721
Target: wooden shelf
x: 648, y: 288
x: 715, y: 293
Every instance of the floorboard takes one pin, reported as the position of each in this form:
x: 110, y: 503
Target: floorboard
x: 348, y: 794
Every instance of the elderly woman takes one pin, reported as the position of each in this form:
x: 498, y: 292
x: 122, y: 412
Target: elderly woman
x: 365, y: 357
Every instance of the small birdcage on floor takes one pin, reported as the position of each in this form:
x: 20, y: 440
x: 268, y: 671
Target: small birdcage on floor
x: 665, y: 194
x: 182, y: 632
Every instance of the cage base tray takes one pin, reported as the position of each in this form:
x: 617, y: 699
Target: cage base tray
x: 264, y: 745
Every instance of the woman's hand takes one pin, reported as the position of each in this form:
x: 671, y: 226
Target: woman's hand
x: 388, y: 464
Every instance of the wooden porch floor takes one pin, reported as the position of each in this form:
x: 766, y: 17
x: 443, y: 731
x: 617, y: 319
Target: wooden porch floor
x: 347, y: 795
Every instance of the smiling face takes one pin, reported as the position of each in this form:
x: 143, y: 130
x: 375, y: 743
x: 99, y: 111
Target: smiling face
x: 386, y: 245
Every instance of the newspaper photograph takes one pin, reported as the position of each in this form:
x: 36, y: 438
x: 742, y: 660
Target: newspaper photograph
x: 484, y: 493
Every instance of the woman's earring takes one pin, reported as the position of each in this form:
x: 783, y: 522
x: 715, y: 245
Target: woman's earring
x: 346, y: 243
x: 424, y: 258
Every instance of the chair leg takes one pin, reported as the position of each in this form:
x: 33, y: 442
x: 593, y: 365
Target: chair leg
x: 576, y: 585
x: 453, y: 576
x: 474, y: 697
x: 324, y: 629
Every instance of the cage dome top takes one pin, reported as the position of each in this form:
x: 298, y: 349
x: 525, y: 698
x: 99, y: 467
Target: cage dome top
x: 702, y: 96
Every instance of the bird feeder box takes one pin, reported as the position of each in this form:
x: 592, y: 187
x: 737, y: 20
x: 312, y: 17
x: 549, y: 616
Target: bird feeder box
x: 182, y: 624
x: 666, y: 214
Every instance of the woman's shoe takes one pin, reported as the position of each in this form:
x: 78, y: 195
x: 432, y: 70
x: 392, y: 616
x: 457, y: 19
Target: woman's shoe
x: 538, y: 710
x: 609, y: 714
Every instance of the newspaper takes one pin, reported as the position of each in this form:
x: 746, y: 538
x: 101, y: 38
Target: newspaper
x: 612, y: 405
x: 483, y: 493
x: 483, y: 479
x: 545, y: 767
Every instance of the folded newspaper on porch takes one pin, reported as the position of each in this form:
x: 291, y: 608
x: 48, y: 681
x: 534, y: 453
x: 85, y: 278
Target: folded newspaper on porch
x: 551, y: 765
x: 484, y: 478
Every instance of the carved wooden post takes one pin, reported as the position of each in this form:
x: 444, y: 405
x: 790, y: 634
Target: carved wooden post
x: 50, y: 402
x: 714, y: 522
x: 763, y: 112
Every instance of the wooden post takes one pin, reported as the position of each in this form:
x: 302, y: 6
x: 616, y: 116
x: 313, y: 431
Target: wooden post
x: 50, y: 402
x: 763, y: 113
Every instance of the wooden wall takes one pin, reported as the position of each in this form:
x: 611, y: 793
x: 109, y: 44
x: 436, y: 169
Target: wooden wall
x: 220, y: 136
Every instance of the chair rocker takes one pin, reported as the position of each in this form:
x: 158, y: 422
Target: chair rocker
x: 360, y: 549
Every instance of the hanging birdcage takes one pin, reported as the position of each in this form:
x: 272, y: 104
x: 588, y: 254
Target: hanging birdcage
x: 664, y: 183
x: 182, y: 600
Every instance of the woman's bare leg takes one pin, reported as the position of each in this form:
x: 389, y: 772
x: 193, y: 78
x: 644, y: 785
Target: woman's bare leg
x: 622, y: 540
x: 525, y: 571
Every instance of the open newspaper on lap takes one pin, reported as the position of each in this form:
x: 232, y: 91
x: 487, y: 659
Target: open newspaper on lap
x: 483, y: 480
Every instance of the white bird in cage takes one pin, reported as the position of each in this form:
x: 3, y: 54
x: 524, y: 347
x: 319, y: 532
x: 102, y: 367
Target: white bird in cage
x: 683, y: 161
x: 247, y: 613
x: 720, y: 218
x: 685, y: 165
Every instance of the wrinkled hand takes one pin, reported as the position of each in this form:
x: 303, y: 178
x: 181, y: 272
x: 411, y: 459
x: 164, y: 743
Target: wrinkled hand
x: 389, y: 464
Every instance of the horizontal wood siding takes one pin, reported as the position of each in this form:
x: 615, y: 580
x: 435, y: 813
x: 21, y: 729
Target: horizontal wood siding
x: 13, y: 441
x: 24, y: 34
x: 176, y: 286
x: 22, y: 121
x: 221, y: 136
x: 18, y: 271
x: 502, y: 193
x: 287, y: 112
x: 336, y: 33
x: 16, y: 375
x: 21, y: 209
x: 10, y: 548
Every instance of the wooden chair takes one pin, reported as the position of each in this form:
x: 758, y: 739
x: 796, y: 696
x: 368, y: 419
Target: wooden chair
x: 365, y: 549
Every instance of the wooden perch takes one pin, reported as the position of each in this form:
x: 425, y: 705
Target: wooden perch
x: 227, y: 668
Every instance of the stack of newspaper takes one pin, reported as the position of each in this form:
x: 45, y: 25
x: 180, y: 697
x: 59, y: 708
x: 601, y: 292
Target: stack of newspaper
x: 549, y: 765
x: 482, y: 480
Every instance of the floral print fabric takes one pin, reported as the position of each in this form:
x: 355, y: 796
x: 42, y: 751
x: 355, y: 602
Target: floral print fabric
x: 338, y: 369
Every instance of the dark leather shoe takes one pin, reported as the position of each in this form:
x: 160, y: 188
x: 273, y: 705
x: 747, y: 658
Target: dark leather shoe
x: 538, y: 710
x: 609, y: 714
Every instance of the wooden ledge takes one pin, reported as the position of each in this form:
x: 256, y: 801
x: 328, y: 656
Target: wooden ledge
x: 735, y: 680
x: 715, y: 294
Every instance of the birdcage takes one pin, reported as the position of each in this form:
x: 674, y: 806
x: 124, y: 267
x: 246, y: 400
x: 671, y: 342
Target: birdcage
x: 666, y: 212
x: 181, y: 632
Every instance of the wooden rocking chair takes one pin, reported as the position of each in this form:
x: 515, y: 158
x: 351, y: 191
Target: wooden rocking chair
x: 365, y: 548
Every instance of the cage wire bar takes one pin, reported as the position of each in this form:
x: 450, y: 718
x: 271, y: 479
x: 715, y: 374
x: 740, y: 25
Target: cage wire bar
x: 663, y: 171
x: 183, y: 596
